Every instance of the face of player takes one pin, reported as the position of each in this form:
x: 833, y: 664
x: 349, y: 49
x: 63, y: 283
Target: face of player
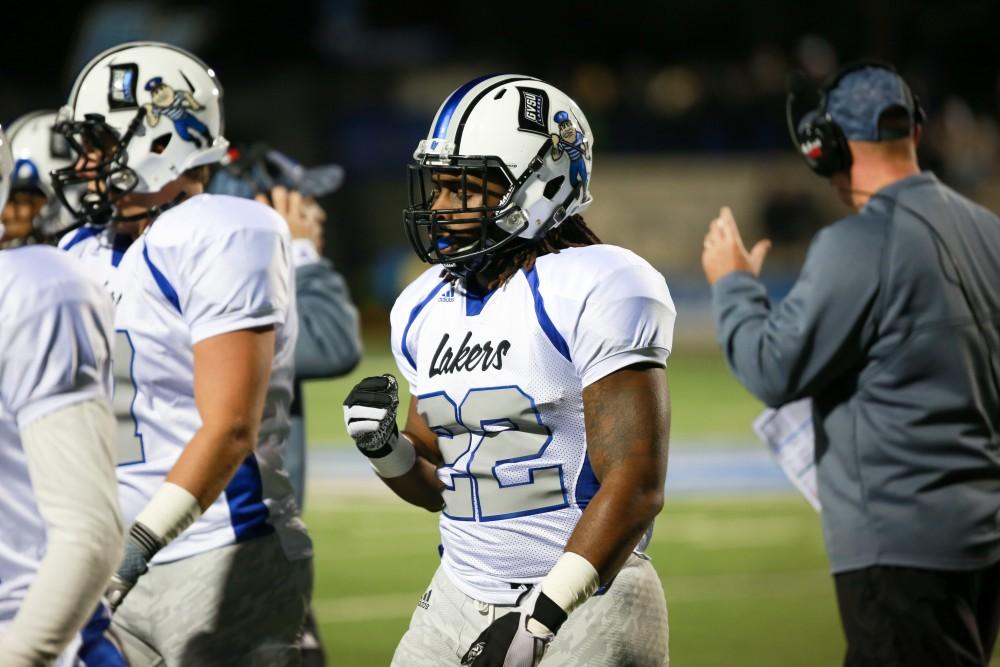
x: 86, y: 166
x: 448, y: 195
x: 18, y: 213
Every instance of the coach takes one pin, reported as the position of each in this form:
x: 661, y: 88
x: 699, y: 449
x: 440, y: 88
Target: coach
x: 893, y: 330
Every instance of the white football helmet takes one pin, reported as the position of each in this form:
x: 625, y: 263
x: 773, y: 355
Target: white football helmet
x: 6, y: 169
x: 516, y: 130
x: 152, y: 111
x: 37, y: 152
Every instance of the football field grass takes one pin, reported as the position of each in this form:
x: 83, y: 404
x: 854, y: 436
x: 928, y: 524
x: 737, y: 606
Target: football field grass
x: 745, y: 579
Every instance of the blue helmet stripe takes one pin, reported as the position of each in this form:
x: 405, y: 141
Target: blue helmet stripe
x: 444, y: 118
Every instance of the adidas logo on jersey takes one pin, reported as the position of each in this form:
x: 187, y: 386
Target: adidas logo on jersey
x: 476, y: 357
x: 448, y: 296
x: 425, y: 600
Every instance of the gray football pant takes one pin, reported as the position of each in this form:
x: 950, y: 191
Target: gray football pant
x: 626, y: 626
x: 243, y: 604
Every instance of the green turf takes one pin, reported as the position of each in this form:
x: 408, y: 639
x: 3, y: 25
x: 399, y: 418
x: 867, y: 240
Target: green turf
x: 708, y: 404
x: 745, y: 579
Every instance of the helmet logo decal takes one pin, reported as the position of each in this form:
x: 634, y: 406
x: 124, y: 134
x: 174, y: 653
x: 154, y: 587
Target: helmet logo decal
x: 569, y: 140
x: 176, y: 105
x: 533, y: 109
x: 122, y: 85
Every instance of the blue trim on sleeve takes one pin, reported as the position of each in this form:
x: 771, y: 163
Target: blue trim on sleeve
x: 586, y: 484
x: 474, y: 303
x: 97, y: 650
x: 448, y: 108
x: 543, y: 317
x: 161, y: 280
x: 83, y: 234
x: 244, y: 495
x: 413, y: 316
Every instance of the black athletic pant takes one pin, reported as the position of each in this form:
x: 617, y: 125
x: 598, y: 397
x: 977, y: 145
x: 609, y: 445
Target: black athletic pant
x: 909, y: 617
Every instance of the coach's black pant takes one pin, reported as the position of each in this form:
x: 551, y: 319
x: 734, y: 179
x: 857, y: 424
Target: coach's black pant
x: 909, y: 617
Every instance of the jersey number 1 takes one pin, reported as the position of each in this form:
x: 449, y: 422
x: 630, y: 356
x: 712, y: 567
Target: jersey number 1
x: 128, y: 438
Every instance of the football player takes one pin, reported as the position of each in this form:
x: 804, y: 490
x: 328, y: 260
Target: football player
x: 33, y: 211
x: 540, y: 413
x: 217, y: 566
x: 60, y: 526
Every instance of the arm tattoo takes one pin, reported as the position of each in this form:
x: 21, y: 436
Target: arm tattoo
x: 627, y: 417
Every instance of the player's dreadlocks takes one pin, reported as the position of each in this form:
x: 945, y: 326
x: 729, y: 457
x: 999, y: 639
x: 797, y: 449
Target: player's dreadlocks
x: 572, y: 233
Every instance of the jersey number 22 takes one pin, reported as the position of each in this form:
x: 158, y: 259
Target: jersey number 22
x: 493, y: 445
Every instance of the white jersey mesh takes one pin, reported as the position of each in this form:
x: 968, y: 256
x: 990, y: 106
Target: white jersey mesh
x: 500, y: 379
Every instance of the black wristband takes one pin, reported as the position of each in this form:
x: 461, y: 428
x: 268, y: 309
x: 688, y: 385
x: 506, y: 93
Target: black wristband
x: 548, y: 613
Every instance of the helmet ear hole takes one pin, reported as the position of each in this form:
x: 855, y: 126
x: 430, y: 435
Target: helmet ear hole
x: 552, y: 187
x: 160, y: 143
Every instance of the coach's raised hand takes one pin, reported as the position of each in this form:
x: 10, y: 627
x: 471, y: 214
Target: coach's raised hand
x: 723, y: 251
x: 370, y: 416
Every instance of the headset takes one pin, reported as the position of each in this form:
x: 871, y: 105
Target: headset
x: 818, y: 137
x: 822, y: 143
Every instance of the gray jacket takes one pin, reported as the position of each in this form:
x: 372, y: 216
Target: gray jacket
x: 906, y: 407
x: 329, y: 345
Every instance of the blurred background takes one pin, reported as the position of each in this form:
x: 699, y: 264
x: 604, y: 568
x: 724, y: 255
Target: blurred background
x: 686, y: 101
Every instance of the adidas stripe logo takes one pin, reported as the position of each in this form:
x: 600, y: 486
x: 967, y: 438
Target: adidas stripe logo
x: 425, y: 600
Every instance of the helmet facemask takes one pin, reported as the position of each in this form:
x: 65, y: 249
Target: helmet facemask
x: 492, y: 229
x: 100, y: 166
x: 510, y: 130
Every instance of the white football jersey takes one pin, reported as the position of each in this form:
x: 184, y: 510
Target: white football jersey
x: 212, y: 265
x: 101, y: 252
x: 99, y: 249
x: 55, y: 350
x: 500, y: 379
